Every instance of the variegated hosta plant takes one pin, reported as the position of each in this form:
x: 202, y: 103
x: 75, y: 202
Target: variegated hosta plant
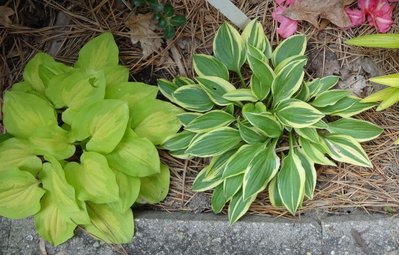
x: 265, y: 132
x: 80, y: 145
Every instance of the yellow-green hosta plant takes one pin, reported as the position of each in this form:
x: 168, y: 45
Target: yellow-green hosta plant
x: 266, y: 133
x: 80, y: 147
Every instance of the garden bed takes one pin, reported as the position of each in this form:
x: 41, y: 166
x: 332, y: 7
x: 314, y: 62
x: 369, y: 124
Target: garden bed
x: 62, y: 27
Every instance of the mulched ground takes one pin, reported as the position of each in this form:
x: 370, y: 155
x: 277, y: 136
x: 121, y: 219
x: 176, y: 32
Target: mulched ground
x: 62, y: 27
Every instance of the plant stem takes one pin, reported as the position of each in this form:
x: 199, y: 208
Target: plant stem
x: 241, y: 79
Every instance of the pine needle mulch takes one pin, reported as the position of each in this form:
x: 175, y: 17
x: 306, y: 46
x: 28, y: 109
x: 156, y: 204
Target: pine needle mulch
x: 62, y: 27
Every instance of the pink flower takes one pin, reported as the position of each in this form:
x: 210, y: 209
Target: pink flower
x: 287, y: 26
x: 356, y: 16
x: 379, y: 13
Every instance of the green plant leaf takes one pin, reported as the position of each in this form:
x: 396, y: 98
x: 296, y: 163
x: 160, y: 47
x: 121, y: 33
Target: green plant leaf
x: 132, y: 93
x: 193, y: 98
x: 214, y: 143
x: 180, y: 141
x: 293, y: 45
x: 154, y: 188
x: 254, y: 35
x: 346, y: 149
x: 261, y: 86
x: 200, y: 184
x: 357, y: 108
x: 98, y: 53
x: 361, y: 130
x: 232, y: 185
x: 209, y: 121
x: 274, y: 196
x: 216, y: 88
x: 380, y: 95
x: 218, y: 199
x: 329, y: 97
x: 310, y: 173
x: 20, y: 194
x: 52, y: 224
x: 93, y: 179
x: 303, y: 94
x: 104, y: 122
x: 229, y: 47
x: 388, y: 41
x: 206, y: 65
x: 167, y: 88
x: 262, y: 168
x: 239, y: 206
x: 217, y: 165
x: 298, y: 114
x: 315, y: 152
x: 265, y: 123
x: 24, y: 113
x: 239, y: 161
x: 249, y: 134
x: 178, y: 20
x: 286, y: 61
x: 291, y: 182
x: 391, y: 80
x: 49, y: 69
x: 186, y: 117
x: 308, y: 133
x: 239, y: 95
x: 320, y: 85
x: 129, y: 189
x: 31, y: 71
x: 134, y: 156
x: 114, y: 75
x: 110, y: 225
x: 180, y: 81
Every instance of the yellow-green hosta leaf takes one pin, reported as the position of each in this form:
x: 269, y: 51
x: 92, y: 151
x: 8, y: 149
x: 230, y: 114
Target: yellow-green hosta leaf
x: 193, y: 98
x: 98, y: 53
x: 200, y: 184
x: 206, y: 65
x: 179, y: 141
x: 380, y: 95
x: 346, y: 149
x: 391, y: 80
x: 31, y: 71
x: 216, y: 88
x: 293, y: 45
x: 17, y: 153
x: 261, y: 169
x: 320, y: 85
x: 20, y: 194
x: 218, y: 199
x: 250, y: 134
x: 265, y: 123
x: 209, y: 121
x: 104, y: 122
x: 308, y: 133
x: 229, y: 47
x: 214, y: 143
x: 134, y: 156
x: 132, y: 93
x: 254, y: 35
x: 391, y: 100
x: 274, y: 196
x: 109, y: 225
x: 264, y: 76
x: 93, y: 179
x: 291, y: 182
x: 239, y: 206
x: 389, y: 41
x: 129, y: 189
x: 23, y: 113
x: 310, y: 173
x: 288, y: 81
x: 154, y: 188
x: 115, y: 75
x: 155, y: 120
x: 239, y: 161
x: 329, y: 97
x: 298, y: 114
x: 239, y: 95
x: 48, y: 70
x: 52, y: 223
x: 361, y: 130
x: 315, y: 152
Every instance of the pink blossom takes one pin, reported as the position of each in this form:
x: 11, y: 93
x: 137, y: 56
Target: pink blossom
x: 356, y: 16
x: 287, y: 26
x: 378, y: 12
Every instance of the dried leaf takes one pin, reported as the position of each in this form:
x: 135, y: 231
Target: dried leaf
x: 142, y: 28
x: 311, y: 10
x: 5, y: 13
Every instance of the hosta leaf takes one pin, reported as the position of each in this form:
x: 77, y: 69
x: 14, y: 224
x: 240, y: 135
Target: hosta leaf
x: 200, y: 184
x: 298, y: 114
x: 93, y: 179
x: 256, y: 53
x: 387, y: 41
x: 303, y: 94
x: 104, y: 122
x: 310, y: 174
x: 320, y: 85
x: 217, y: 165
x: 186, y: 117
x: 346, y: 149
x: 265, y: 123
x: 214, y: 143
x: 155, y: 120
x: 154, y: 188
x: 132, y: 92
x: 308, y: 133
x: 52, y: 223
x: 206, y: 65
x: 232, y: 185
x: 239, y: 95
x: 391, y: 100
x: 24, y: 113
x: 129, y: 189
x: 182, y: 81
x: 193, y: 98
x: 216, y: 88
x: 262, y: 168
x: 167, y: 88
x: 110, y: 225
x: 31, y: 71
x: 218, y: 199
x: 239, y: 206
x: 209, y: 121
x: 179, y: 141
x: 359, y: 129
x: 315, y: 152
x: 48, y: 70
x: 379, y: 95
x: 134, y: 156
x: 16, y: 153
x: 98, y: 53
x: 250, y: 134
x: 20, y: 194
x: 261, y: 86
x: 391, y: 80
x: 341, y: 105
x: 239, y: 161
x: 254, y: 35
x: 286, y: 61
x: 288, y: 81
x: 294, y: 45
x: 357, y: 108
x: 291, y: 182
x: 229, y: 47
x: 274, y: 196
x: 329, y: 97
x: 115, y: 75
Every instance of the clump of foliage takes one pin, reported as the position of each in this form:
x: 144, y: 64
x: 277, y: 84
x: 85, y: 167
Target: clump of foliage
x: 269, y: 133
x: 165, y: 16
x: 80, y: 145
